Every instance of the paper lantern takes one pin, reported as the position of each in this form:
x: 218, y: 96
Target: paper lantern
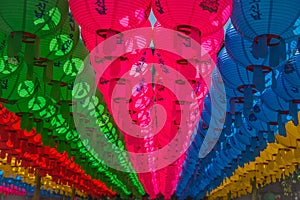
x: 240, y: 50
x: 62, y: 42
x: 33, y: 20
x: 132, y: 39
x: 37, y: 17
x: 106, y: 17
x: 274, y: 102
x: 237, y: 78
x: 259, y: 21
x: 203, y: 17
x: 290, y: 93
x: 203, y: 52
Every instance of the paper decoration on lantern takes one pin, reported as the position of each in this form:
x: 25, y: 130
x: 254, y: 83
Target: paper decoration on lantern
x: 61, y: 43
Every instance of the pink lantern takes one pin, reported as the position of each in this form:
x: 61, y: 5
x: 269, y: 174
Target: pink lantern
x: 201, y: 17
x: 201, y: 54
x: 91, y: 40
x: 107, y: 16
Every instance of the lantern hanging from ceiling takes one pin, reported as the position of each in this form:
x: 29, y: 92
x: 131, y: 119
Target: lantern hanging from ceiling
x: 260, y: 22
x: 60, y: 44
x: 238, y: 78
x: 32, y: 20
x: 290, y: 93
x: 240, y: 50
x: 201, y: 17
x: 104, y: 17
x: 201, y: 52
x: 274, y: 102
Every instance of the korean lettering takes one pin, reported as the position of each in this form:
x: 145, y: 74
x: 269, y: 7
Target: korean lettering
x: 159, y: 8
x: 40, y: 9
x: 4, y: 84
x: 101, y: 7
x: 210, y: 5
x: 254, y: 10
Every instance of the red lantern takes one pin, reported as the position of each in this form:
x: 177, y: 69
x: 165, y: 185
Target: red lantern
x: 107, y: 16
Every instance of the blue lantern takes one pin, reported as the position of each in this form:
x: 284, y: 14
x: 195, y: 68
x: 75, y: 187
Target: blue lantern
x: 269, y: 24
x: 290, y: 93
x: 292, y: 70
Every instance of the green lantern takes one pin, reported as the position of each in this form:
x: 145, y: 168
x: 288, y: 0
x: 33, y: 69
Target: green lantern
x: 17, y: 88
x: 61, y: 73
x: 8, y: 65
x: 25, y: 22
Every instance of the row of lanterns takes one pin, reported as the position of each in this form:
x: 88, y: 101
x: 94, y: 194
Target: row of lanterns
x: 40, y: 59
x: 26, y: 148
x: 104, y: 19
x: 261, y: 94
x: 277, y: 161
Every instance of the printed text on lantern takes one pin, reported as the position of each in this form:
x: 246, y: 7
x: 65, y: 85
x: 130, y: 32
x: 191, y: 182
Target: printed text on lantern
x: 101, y: 7
x: 254, y: 9
x: 210, y: 5
x: 41, y: 8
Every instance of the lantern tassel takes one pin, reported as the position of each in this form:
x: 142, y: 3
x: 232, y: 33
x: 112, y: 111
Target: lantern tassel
x: 274, y: 81
x: 24, y: 121
x: 48, y: 72
x: 55, y: 91
x: 258, y: 78
x: 248, y: 99
x: 228, y: 122
x: 29, y: 124
x: 260, y: 47
x: 39, y: 126
x: 294, y: 112
x: 238, y: 120
x: 15, y: 44
x: 277, y: 53
x: 281, y: 127
x: 271, y: 136
x: 65, y: 110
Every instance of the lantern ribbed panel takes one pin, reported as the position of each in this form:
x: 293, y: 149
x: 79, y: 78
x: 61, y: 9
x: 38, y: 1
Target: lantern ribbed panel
x: 109, y: 14
x: 253, y: 18
x: 207, y: 16
x: 38, y: 17
x: 131, y: 39
x: 273, y: 101
x: 286, y: 90
x: 262, y: 112
x: 233, y: 74
x: 239, y: 49
x: 292, y: 70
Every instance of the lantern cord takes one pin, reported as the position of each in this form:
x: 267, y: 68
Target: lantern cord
x: 281, y: 126
x: 238, y: 120
x: 271, y: 136
x: 248, y: 99
x: 274, y: 81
